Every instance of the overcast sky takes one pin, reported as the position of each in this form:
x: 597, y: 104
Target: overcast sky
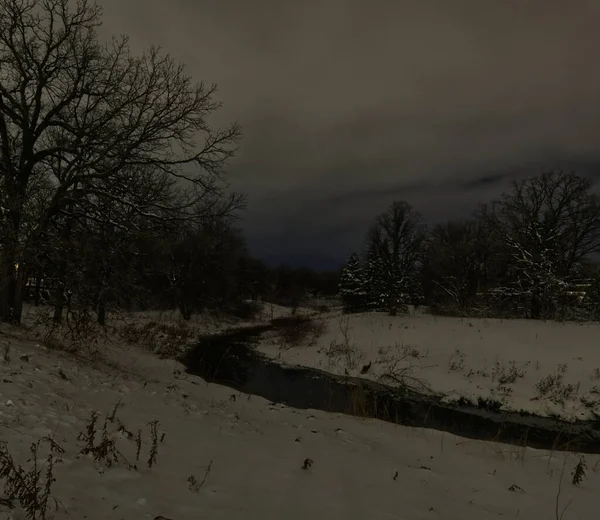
x: 347, y: 105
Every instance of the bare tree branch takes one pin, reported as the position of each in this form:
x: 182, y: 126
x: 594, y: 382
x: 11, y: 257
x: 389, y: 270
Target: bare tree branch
x: 95, y: 122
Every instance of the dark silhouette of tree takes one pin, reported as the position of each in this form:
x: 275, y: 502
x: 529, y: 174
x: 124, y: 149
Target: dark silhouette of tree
x: 459, y: 262
x: 548, y: 226
x: 255, y: 279
x: 204, y: 266
x: 290, y: 286
x: 85, y: 116
x: 394, y: 252
x: 352, y: 289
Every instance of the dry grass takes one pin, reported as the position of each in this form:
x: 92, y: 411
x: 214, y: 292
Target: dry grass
x: 163, y: 339
x: 30, y: 488
x: 553, y: 387
x: 398, y: 364
x: 345, y: 350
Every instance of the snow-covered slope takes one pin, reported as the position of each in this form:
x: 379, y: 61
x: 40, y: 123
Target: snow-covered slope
x: 547, y: 368
x: 246, y: 455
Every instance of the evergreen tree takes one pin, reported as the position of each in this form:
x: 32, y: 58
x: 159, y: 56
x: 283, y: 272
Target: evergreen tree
x: 376, y: 294
x: 352, y: 285
x: 393, y: 257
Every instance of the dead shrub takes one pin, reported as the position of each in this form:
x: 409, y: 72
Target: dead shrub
x: 398, y: 364
x: 101, y: 442
x: 78, y: 332
x: 347, y: 352
x: 553, y: 387
x: 164, y: 339
x: 30, y: 488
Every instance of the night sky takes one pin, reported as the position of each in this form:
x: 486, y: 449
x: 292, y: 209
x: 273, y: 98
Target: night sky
x: 348, y: 105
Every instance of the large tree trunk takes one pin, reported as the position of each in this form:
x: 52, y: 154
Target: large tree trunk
x: 101, y: 307
x: 535, y: 309
x: 60, y: 299
x: 59, y: 302
x: 9, y: 288
x: 393, y: 303
x: 7, y: 283
x: 38, y: 291
x: 59, y: 292
x: 8, y: 269
x: 186, y: 311
x: 19, y: 287
x: 103, y: 294
x: 101, y: 314
x: 12, y: 285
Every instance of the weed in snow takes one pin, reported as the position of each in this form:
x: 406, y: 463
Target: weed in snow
x: 579, y: 473
x: 30, y: 488
x: 348, y: 353
x: 101, y: 443
x: 456, y: 362
x: 506, y: 376
x: 344, y: 349
x: 398, y: 367
x: 553, y: 387
x: 590, y: 402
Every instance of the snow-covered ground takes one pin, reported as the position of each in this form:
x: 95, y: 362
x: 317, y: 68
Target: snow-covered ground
x: 246, y: 455
x: 547, y: 368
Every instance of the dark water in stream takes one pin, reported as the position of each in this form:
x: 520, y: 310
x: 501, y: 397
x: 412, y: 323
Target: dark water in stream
x: 231, y: 359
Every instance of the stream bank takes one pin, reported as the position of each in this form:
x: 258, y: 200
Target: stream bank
x: 231, y: 359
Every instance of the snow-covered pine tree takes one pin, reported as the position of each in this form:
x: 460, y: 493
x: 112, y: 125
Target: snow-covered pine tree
x: 376, y: 293
x: 548, y: 227
x: 352, y: 285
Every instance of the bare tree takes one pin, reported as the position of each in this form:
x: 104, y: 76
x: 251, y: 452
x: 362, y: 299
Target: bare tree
x: 394, y: 248
x: 549, y: 226
x: 204, y: 265
x: 459, y: 262
x: 82, y: 114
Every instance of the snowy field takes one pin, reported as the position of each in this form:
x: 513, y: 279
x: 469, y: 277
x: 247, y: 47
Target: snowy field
x: 232, y: 456
x: 548, y: 368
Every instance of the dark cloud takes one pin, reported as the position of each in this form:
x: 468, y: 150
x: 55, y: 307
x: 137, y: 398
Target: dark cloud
x: 347, y: 105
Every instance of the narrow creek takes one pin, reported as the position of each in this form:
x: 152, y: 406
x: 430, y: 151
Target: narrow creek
x: 231, y: 359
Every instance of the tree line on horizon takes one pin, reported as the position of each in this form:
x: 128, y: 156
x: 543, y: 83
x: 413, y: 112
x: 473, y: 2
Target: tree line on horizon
x: 113, y: 195
x: 532, y: 253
